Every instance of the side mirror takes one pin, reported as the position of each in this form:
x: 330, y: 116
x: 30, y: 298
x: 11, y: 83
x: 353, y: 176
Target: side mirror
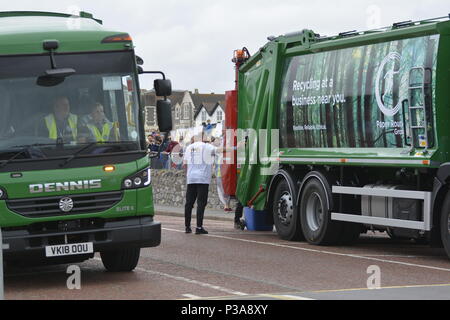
x: 60, y: 73
x: 139, y: 61
x: 164, y: 112
x: 163, y: 88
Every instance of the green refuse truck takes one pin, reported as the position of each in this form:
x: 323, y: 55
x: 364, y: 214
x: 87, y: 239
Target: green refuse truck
x: 75, y: 176
x: 362, y: 133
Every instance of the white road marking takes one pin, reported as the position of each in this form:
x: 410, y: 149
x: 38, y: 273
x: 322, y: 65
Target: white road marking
x: 199, y: 283
x: 361, y: 257
x: 191, y: 296
x: 391, y: 256
x: 285, y: 297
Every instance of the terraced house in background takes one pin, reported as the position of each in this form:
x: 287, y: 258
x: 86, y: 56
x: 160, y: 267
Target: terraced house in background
x: 66, y: 193
x: 189, y: 109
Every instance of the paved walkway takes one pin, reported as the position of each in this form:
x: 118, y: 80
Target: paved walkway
x: 210, y: 214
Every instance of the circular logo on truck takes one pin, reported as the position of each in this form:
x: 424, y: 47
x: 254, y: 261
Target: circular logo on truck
x: 385, y: 94
x: 66, y: 205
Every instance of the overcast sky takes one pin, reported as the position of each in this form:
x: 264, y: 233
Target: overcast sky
x: 193, y: 41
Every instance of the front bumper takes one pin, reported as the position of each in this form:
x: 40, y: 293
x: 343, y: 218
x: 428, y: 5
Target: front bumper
x: 140, y: 232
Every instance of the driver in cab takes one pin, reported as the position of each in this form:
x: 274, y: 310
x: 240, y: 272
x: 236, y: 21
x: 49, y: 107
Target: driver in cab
x: 100, y: 128
x: 61, y: 125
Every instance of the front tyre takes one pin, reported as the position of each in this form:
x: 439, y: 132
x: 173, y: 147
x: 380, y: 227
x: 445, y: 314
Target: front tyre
x: 315, y: 213
x: 285, y: 215
x: 122, y: 260
x: 445, y: 225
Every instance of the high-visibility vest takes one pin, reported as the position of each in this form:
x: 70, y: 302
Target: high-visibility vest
x: 219, y: 167
x: 50, y: 121
x: 101, y: 136
x: 219, y: 171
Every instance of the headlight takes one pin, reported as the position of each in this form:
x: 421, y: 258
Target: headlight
x: 3, y: 195
x: 140, y: 180
x: 128, y: 183
x: 137, y: 181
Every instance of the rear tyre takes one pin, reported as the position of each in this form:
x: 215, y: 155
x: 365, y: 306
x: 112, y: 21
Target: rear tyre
x: 124, y: 260
x: 445, y: 225
x: 285, y: 216
x: 315, y: 213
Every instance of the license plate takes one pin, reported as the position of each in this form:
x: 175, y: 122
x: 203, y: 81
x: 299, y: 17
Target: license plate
x: 69, y: 249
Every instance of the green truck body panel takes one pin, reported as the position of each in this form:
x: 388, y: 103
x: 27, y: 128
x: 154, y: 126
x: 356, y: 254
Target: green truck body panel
x: 290, y: 83
x: 23, y: 33
x: 134, y: 202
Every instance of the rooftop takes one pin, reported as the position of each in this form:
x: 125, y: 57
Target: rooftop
x: 23, y: 32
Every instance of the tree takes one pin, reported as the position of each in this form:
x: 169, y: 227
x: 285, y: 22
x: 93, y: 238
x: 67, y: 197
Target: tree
x: 293, y: 69
x: 396, y: 97
x: 335, y: 107
x: 349, y: 94
x: 368, y: 98
x: 360, y: 98
x: 328, y: 107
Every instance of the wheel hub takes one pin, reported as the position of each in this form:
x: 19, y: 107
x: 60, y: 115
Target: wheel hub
x: 314, y: 212
x: 285, y: 208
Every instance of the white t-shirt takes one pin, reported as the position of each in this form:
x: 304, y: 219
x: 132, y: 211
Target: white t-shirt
x: 199, y: 158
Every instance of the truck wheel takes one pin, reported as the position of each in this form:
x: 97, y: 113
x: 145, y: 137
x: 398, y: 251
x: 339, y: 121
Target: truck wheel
x: 315, y: 213
x: 124, y: 260
x: 445, y: 225
x: 285, y: 216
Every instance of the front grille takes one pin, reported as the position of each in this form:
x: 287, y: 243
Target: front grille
x: 49, y: 206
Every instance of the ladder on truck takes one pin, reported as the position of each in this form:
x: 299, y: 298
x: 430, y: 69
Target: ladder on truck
x: 417, y: 111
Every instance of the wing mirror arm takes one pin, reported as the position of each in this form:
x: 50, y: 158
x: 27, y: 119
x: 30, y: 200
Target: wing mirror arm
x: 163, y: 88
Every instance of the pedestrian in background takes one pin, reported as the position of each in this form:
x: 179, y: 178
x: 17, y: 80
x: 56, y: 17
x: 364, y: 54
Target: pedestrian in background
x: 225, y: 199
x: 239, y: 223
x: 180, y: 148
x: 156, y: 148
x: 171, y: 147
x: 199, y: 159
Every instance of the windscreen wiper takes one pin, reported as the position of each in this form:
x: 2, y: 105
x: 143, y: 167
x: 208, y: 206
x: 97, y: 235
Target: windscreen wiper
x: 4, y: 163
x: 79, y: 152
x: 76, y: 154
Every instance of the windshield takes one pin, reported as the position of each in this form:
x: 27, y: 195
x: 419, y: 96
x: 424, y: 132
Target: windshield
x: 98, y: 105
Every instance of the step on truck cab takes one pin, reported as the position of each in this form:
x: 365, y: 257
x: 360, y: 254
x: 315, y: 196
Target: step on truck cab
x: 74, y: 170
x: 362, y: 134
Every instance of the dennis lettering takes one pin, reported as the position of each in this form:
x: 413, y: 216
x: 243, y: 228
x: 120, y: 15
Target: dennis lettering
x: 65, y: 186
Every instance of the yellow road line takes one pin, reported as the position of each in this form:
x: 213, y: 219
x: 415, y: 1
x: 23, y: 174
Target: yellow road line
x: 382, y: 288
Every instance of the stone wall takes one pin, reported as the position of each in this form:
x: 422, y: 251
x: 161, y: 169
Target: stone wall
x: 169, y: 189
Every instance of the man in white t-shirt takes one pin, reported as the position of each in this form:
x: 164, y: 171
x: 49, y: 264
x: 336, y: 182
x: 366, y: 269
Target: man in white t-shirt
x: 199, y: 159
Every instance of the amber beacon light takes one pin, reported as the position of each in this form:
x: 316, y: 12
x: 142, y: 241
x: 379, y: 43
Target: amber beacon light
x: 109, y: 168
x: 118, y: 38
